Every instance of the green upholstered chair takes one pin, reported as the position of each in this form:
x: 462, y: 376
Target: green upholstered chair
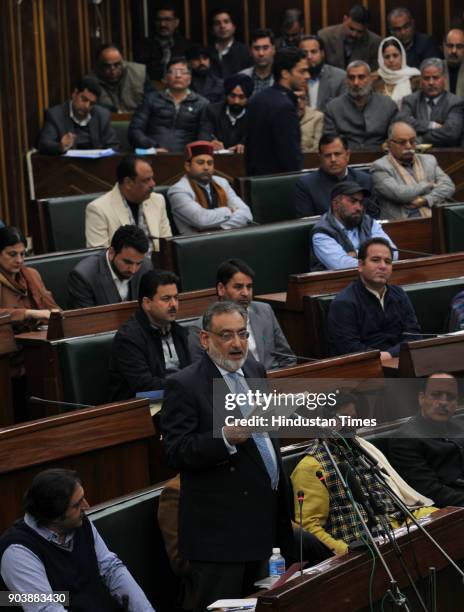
x: 122, y: 128
x: 453, y: 222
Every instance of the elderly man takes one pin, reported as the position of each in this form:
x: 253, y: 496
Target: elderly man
x: 202, y: 201
x: 169, y: 119
x: 340, y: 232
x: 123, y: 84
x: 263, y: 51
x: 226, y: 473
x: 435, y: 114
x: 351, y: 40
x: 226, y: 122
x: 292, y: 28
x: 325, y: 82
x: 361, y: 115
x: 204, y: 82
x: 131, y: 201
x: 418, y: 46
x: 429, y: 448
x: 79, y: 123
x: 56, y: 548
x: 453, y: 49
x: 228, y: 55
x: 406, y: 183
x: 370, y: 313
x: 313, y: 190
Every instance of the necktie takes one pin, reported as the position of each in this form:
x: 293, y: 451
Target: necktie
x: 239, y: 385
x: 431, y: 105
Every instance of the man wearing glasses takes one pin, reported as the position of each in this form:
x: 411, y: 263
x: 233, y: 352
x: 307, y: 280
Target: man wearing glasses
x: 168, y: 120
x: 453, y: 50
x: 123, y: 84
x: 408, y: 184
x: 233, y: 506
x: 418, y: 46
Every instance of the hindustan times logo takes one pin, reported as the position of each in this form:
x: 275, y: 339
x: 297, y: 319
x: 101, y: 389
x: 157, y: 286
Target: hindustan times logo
x: 264, y: 401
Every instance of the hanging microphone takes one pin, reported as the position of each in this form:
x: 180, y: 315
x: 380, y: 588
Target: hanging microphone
x: 299, y: 357
x: 300, y: 498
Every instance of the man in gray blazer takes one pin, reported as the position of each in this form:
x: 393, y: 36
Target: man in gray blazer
x: 267, y: 343
x: 436, y: 115
x: 325, y: 82
x: 114, y: 274
x: 351, y: 40
x: 406, y: 183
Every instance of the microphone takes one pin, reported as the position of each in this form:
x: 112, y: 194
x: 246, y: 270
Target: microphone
x: 423, y: 253
x: 300, y: 497
x: 358, y: 494
x: 40, y: 400
x: 299, y: 357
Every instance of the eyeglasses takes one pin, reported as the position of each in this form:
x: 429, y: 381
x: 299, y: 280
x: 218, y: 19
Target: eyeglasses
x: 114, y: 66
x: 402, y: 143
x: 227, y: 336
x: 403, y: 28
x: 178, y: 72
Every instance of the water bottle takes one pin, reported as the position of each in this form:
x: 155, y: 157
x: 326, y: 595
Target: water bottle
x: 276, y: 563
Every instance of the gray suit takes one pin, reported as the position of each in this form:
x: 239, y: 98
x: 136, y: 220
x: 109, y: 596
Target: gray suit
x: 448, y: 111
x: 90, y: 283
x: 393, y: 194
x: 267, y: 333
x: 365, y: 48
x: 332, y: 83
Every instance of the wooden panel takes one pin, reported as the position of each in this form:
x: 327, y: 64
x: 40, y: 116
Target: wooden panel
x: 7, y: 348
x: 422, y: 358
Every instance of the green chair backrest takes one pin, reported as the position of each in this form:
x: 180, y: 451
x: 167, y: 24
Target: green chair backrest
x: 65, y: 221
x: 84, y: 365
x: 54, y: 269
x: 273, y: 251
x: 453, y: 216
x: 122, y: 128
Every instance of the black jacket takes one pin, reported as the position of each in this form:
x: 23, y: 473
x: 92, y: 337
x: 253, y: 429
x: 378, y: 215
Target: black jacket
x: 422, y: 47
x: 150, y: 52
x: 137, y: 359
x: 237, y: 58
x: 209, y: 86
x: 273, y: 141
x: 434, y: 466
x: 58, y: 122
x: 156, y: 123
x: 219, y: 127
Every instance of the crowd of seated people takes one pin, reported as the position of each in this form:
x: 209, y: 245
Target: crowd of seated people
x: 334, y: 92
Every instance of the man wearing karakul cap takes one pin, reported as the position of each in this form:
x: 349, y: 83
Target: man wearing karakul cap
x: 339, y: 233
x: 202, y: 201
x: 226, y: 122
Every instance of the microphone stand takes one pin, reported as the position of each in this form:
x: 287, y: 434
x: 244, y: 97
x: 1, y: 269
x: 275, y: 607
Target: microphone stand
x: 300, y: 497
x: 394, y: 592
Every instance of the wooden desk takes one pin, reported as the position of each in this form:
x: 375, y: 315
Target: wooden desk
x: 342, y: 583
x: 110, y: 446
x: 7, y: 348
x: 357, y: 365
x: 424, y: 357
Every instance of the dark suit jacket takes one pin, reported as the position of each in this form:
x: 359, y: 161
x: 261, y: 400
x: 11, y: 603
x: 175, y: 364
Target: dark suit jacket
x: 137, y: 359
x: 149, y: 51
x: 58, y: 122
x: 422, y: 47
x: 238, y: 58
x: 273, y: 142
x: 228, y: 511
x: 449, y: 112
x: 218, y: 125
x: 91, y: 283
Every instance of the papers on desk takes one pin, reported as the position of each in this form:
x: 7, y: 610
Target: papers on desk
x: 89, y: 153
x: 234, y: 604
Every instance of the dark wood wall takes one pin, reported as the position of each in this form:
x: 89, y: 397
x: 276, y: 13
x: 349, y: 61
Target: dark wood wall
x: 46, y: 44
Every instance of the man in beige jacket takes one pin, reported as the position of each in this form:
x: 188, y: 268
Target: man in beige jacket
x: 130, y: 201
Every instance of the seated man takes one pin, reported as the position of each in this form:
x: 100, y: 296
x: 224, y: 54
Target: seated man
x: 337, y: 236
x: 370, y: 313
x: 312, y: 191
x: 202, y: 201
x: 435, y: 114
x: 131, y: 201
x: 113, y: 275
x: 167, y: 120
x: 266, y: 342
x: 361, y: 115
x: 56, y: 548
x: 453, y: 50
x: 456, y: 319
x: 418, y: 46
x: 228, y: 55
x: 122, y: 83
x: 327, y: 511
x: 150, y: 345
x: 263, y: 51
x: 428, y: 449
x: 204, y: 82
x: 226, y: 122
x: 79, y: 123
x: 311, y: 123
x: 291, y: 28
x: 406, y: 183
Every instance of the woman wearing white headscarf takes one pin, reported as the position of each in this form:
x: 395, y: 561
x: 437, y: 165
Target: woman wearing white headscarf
x: 393, y: 77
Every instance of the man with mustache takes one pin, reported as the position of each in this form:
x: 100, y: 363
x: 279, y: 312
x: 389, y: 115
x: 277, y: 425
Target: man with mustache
x: 150, y: 345
x: 361, y: 115
x: 453, y: 50
x: 337, y: 236
x: 428, y: 450
x: 233, y: 506
x: 407, y: 184
x: 435, y: 114
x: 370, y: 313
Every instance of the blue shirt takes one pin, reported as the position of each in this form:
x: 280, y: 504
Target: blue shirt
x: 334, y: 257
x: 23, y: 572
